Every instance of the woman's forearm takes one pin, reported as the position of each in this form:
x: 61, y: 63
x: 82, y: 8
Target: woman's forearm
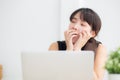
x: 96, y: 77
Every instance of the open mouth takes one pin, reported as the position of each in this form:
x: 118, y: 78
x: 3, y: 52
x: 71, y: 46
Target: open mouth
x: 75, y: 38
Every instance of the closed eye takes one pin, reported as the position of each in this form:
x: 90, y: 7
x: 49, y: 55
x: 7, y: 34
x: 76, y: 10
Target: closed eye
x: 83, y: 24
x: 74, y: 20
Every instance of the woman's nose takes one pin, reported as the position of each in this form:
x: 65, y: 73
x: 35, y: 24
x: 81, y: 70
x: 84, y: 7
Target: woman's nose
x: 76, y: 26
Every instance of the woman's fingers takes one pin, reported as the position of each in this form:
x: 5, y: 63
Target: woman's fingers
x: 84, y: 37
x: 69, y: 34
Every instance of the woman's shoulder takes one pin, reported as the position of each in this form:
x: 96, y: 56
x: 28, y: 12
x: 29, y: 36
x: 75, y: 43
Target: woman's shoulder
x: 101, y: 47
x: 101, y: 50
x: 53, y: 46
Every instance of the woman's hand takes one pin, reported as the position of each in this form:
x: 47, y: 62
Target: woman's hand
x: 69, y: 34
x: 84, y: 36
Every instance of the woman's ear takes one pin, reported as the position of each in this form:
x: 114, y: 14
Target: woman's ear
x: 93, y: 34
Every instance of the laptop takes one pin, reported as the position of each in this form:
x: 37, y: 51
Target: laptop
x: 58, y: 65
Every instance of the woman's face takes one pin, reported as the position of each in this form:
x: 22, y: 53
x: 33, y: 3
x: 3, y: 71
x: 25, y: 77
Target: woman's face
x: 78, y: 25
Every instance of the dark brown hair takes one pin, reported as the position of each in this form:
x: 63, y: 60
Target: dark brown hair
x: 90, y: 17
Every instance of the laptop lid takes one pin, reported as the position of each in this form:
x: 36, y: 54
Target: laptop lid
x: 58, y: 65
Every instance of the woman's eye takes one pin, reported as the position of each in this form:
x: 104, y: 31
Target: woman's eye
x: 82, y: 24
x: 73, y: 21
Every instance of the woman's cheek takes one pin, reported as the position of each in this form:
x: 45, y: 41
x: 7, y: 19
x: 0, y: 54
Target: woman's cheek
x: 70, y: 26
x: 87, y: 30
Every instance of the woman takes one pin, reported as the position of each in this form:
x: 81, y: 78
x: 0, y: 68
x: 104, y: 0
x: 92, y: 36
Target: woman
x: 83, y: 28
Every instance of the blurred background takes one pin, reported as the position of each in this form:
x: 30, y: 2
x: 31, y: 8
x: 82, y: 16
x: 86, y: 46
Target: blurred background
x: 32, y: 25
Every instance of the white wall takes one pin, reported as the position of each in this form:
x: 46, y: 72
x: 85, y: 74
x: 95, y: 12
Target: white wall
x: 26, y: 25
